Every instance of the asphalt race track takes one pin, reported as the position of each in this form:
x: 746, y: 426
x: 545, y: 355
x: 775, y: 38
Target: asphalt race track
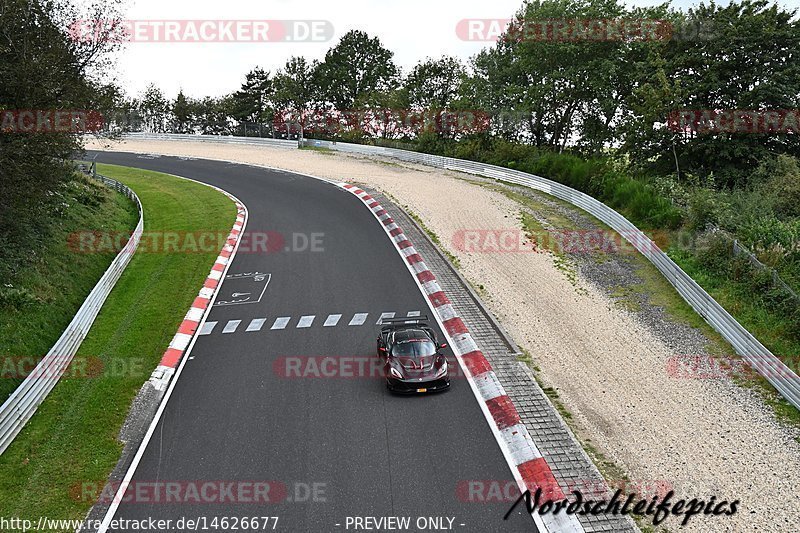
x: 233, y: 418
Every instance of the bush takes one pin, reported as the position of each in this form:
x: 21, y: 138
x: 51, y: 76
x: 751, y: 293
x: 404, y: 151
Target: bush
x: 16, y: 298
x: 704, y: 210
x: 779, y: 180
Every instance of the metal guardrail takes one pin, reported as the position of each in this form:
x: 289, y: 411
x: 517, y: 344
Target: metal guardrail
x: 746, y: 345
x: 783, y: 378
x: 741, y: 251
x: 256, y: 141
x: 25, y: 400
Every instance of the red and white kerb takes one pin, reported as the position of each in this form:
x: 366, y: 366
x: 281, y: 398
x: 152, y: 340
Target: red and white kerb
x: 191, y: 322
x: 532, y: 469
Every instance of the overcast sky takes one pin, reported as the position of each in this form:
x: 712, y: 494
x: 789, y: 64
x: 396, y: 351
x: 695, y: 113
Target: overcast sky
x: 412, y: 29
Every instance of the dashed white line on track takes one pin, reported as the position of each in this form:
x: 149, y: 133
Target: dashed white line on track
x: 332, y: 320
x: 231, y: 326
x: 384, y: 315
x: 207, y: 328
x: 280, y: 323
x: 256, y: 324
x: 358, y: 319
x: 305, y: 321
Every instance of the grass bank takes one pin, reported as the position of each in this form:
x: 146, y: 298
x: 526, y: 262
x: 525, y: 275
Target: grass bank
x: 72, y: 440
x: 44, y: 281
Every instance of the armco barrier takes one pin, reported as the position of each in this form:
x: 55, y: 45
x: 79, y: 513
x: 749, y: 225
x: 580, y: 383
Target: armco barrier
x: 783, y: 378
x: 25, y: 400
x: 255, y: 141
x: 773, y: 369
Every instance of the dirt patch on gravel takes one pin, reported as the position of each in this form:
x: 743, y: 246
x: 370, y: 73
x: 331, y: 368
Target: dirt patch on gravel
x: 608, y: 365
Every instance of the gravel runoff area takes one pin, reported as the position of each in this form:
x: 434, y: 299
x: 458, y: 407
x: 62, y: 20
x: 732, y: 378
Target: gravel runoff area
x: 608, y: 364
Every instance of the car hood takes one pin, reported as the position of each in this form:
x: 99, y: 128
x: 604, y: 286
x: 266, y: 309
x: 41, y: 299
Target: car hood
x: 416, y: 367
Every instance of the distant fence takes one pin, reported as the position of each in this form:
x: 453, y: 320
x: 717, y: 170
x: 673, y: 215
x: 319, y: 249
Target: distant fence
x: 18, y: 409
x: 255, y: 141
x: 761, y: 359
x: 741, y: 251
x: 782, y: 377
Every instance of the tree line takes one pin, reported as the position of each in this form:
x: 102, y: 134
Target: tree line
x: 586, y: 96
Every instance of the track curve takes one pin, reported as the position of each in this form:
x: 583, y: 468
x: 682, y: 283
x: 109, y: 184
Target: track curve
x: 233, y: 416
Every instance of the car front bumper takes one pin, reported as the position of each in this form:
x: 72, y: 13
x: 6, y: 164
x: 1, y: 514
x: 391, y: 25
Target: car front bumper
x: 418, y: 387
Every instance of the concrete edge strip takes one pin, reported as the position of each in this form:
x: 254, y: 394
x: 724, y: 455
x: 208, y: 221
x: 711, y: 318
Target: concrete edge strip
x: 169, y: 369
x: 529, y: 467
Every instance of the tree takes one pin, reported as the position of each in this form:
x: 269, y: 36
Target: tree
x: 214, y: 116
x: 154, y: 109
x: 182, y: 112
x: 357, y: 66
x: 563, y: 90
x: 432, y: 88
x: 43, y: 67
x: 251, y: 103
x: 294, y: 92
x: 744, y: 57
x: 435, y: 83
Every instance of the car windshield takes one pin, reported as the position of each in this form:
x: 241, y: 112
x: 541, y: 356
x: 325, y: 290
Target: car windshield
x: 414, y: 348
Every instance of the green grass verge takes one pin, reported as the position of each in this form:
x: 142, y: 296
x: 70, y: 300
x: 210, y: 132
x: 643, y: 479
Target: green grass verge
x: 772, y: 330
x: 42, y: 296
x: 321, y: 149
x: 72, y: 440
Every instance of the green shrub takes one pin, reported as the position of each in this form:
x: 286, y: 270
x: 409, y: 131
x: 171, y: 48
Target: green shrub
x: 704, y: 210
x: 16, y: 298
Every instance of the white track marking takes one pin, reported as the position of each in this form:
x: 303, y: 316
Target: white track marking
x: 358, y: 319
x: 256, y: 324
x: 123, y: 486
x: 305, y: 321
x: 332, y: 320
x: 412, y: 314
x: 542, y: 522
x: 384, y: 315
x: 207, y: 328
x: 280, y: 323
x: 231, y: 326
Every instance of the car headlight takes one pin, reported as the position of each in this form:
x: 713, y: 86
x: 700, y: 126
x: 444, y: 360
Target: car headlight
x: 395, y: 373
x: 442, y: 370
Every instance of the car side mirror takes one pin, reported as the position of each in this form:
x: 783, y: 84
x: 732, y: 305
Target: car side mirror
x: 382, y: 349
x: 443, y: 345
